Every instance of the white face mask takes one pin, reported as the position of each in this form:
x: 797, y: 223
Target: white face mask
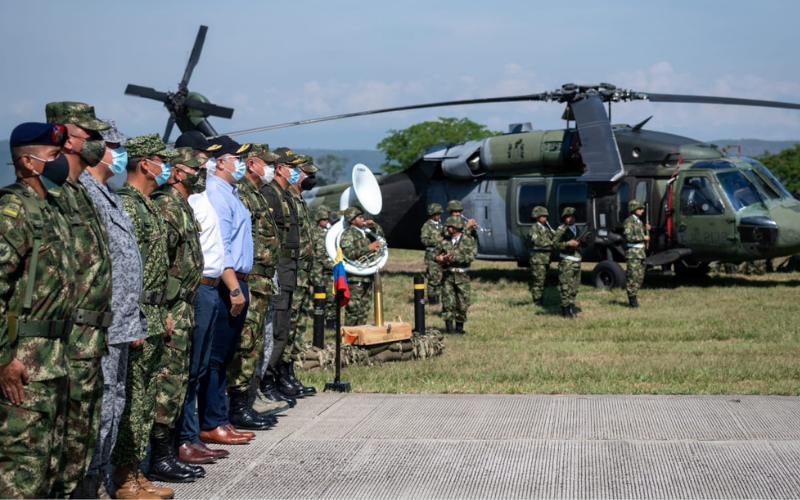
x: 211, y: 165
x: 269, y: 174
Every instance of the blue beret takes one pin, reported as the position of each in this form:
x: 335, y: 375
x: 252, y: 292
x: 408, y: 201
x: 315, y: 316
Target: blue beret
x: 38, y: 134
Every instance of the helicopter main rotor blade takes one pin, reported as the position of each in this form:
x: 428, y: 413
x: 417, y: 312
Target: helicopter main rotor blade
x: 196, y: 50
x: 209, y: 109
x: 701, y: 99
x: 168, y: 130
x: 599, y: 149
x: 529, y: 97
x: 146, y: 92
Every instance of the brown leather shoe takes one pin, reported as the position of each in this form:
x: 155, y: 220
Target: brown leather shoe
x: 193, y: 456
x: 233, y: 430
x: 127, y: 485
x: 152, y: 488
x: 215, y: 452
x: 221, y: 435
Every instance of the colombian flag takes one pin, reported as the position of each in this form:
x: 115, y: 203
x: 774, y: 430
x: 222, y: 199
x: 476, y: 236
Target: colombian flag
x: 340, y: 278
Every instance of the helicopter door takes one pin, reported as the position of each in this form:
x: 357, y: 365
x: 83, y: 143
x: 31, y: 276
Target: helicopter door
x: 488, y: 210
x: 702, y: 220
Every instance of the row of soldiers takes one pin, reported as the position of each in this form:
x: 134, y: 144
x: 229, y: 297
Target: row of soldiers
x: 542, y: 242
x: 140, y: 318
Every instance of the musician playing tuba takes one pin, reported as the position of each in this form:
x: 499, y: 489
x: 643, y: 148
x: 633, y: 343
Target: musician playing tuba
x: 359, y: 240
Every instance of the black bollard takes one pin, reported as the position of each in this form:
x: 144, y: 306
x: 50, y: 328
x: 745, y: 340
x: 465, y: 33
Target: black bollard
x: 419, y: 305
x: 319, y: 316
x: 337, y: 385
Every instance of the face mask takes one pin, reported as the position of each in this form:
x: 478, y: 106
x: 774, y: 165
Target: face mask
x: 92, y: 152
x: 197, y: 183
x: 211, y: 165
x: 55, y: 172
x: 119, y: 160
x: 308, y: 183
x: 166, y: 169
x: 295, y: 176
x: 269, y: 174
x: 239, y: 169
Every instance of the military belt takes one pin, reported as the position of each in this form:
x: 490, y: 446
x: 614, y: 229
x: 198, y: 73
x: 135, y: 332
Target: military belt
x: 210, y: 281
x: 262, y: 270
x: 570, y: 257
x: 635, y: 245
x: 187, y: 295
x: 430, y: 249
x: 92, y: 318
x: 287, y: 253
x: 154, y: 298
x: 542, y: 249
x: 49, y: 329
x: 243, y: 276
x: 459, y: 270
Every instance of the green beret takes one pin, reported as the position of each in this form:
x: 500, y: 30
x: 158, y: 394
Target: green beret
x: 262, y: 152
x: 567, y: 211
x: 539, y: 212
x: 455, y: 206
x: 634, y: 205
x: 455, y: 222
x: 434, y: 208
x: 78, y: 113
x: 148, y: 145
x: 189, y: 157
x: 351, y: 213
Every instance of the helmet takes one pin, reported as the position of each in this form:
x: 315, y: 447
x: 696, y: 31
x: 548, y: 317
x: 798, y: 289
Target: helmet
x: 567, y: 211
x: 455, y: 222
x: 351, y: 213
x: 634, y: 205
x: 434, y: 208
x: 322, y: 213
x: 539, y: 212
x: 454, y: 206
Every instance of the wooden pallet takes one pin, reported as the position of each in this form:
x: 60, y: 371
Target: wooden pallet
x: 370, y: 334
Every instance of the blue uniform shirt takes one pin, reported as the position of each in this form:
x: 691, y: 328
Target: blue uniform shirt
x: 234, y: 223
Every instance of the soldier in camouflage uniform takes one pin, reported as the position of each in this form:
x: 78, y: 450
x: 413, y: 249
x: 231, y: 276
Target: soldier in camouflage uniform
x: 37, y: 288
x: 454, y: 255
x: 569, y: 269
x: 356, y: 244
x: 185, y: 259
x: 455, y: 208
x: 430, y: 236
x: 148, y: 168
x: 636, y: 236
x: 88, y: 338
x: 540, y: 242
x: 322, y: 267
x: 265, y: 255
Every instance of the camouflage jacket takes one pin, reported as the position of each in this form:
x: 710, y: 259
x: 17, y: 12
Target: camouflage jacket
x: 148, y: 227
x: 634, y: 235
x: 430, y: 236
x: 265, y: 239
x: 322, y: 268
x: 53, y: 287
x: 540, y: 241
x: 355, y: 244
x: 185, y: 258
x: 463, y: 249
x: 306, y: 254
x: 562, y: 237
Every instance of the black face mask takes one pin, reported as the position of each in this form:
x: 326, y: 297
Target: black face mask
x: 55, y: 171
x: 308, y: 183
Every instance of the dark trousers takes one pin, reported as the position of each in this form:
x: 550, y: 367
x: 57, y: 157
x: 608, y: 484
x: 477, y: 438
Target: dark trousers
x: 282, y: 310
x: 205, y: 317
x: 212, y: 404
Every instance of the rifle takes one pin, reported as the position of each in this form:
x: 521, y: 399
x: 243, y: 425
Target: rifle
x: 585, y: 232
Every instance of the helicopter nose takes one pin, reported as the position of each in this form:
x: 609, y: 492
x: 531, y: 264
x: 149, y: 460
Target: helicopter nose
x: 758, y: 234
x: 787, y: 219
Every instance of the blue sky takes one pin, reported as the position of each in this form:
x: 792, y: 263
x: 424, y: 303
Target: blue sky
x: 276, y: 61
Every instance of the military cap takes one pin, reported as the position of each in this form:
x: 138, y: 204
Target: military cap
x: 322, y: 213
x: 78, y: 113
x: 262, y: 152
x: 567, y: 211
x: 112, y: 134
x: 539, y: 212
x: 308, y: 164
x: 148, y: 145
x: 38, y: 134
x: 228, y: 146
x: 634, y: 205
x: 455, y: 222
x: 189, y: 157
x: 434, y: 208
x: 193, y: 139
x: 286, y: 155
x: 351, y: 213
x: 455, y: 206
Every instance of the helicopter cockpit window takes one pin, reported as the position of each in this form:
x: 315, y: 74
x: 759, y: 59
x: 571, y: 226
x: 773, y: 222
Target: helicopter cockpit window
x: 762, y: 170
x: 699, y: 198
x: 623, y: 197
x: 764, y: 187
x: 528, y: 197
x: 573, y: 194
x: 740, y: 191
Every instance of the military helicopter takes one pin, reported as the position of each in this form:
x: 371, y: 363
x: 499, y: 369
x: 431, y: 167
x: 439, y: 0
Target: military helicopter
x: 703, y: 206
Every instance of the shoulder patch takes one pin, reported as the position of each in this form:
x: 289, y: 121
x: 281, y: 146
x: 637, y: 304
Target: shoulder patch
x: 5, y: 252
x: 11, y: 210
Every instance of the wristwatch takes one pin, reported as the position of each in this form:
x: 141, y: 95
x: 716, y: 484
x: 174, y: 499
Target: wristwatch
x: 236, y: 292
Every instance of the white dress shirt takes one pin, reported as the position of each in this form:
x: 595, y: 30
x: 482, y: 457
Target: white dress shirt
x: 210, y: 235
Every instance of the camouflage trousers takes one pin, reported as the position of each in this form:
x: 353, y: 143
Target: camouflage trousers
x: 172, y: 379
x: 251, y: 344
x: 433, y: 275
x: 358, y: 309
x: 140, y: 402
x: 31, y: 440
x: 83, y: 421
x: 301, y: 307
x: 634, y: 275
x: 538, y: 277
x: 569, y: 280
x: 455, y: 296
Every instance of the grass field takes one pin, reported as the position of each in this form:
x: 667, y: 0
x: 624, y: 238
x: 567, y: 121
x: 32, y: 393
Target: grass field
x: 725, y: 335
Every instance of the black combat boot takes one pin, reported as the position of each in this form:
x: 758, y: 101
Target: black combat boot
x: 330, y: 324
x: 433, y: 300
x: 460, y: 327
x: 538, y: 302
x: 572, y: 312
x: 565, y: 312
x: 173, y: 454
x: 242, y: 416
x: 268, y: 389
x: 305, y: 390
x: 448, y: 325
x: 633, y: 302
x: 164, y: 466
x: 284, y: 384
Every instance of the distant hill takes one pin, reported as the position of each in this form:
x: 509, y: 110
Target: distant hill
x: 371, y: 158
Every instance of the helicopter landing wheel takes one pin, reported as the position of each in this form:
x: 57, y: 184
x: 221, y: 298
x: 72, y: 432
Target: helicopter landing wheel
x: 608, y: 274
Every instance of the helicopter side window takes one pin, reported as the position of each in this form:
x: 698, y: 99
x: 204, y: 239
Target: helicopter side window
x: 741, y: 192
x: 699, y: 198
x: 643, y: 192
x: 573, y: 194
x: 623, y: 197
x: 528, y: 197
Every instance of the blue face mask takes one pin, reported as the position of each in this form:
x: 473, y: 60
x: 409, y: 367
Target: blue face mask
x: 211, y: 165
x: 166, y: 169
x: 119, y: 160
x: 239, y: 170
x: 295, y: 176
